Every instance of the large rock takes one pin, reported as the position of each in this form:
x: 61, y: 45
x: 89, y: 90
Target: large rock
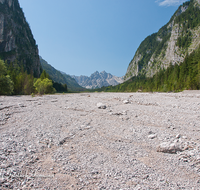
x: 169, y: 147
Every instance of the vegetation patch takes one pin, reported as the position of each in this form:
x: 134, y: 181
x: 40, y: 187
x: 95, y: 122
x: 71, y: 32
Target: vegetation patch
x: 175, y: 78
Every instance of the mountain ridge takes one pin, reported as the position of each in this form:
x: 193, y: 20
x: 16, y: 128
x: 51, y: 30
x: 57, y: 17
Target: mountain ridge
x: 60, y: 77
x: 97, y: 80
x: 170, y: 45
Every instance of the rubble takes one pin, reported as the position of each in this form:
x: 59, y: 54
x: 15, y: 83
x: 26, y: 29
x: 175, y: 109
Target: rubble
x: 65, y: 142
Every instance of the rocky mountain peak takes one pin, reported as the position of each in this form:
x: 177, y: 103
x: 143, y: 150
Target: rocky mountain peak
x: 97, y: 80
x: 95, y: 74
x: 181, y: 9
x: 106, y: 75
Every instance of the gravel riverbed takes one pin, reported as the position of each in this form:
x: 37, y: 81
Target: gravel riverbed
x: 100, y: 141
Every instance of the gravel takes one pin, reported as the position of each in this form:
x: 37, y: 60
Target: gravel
x: 134, y: 141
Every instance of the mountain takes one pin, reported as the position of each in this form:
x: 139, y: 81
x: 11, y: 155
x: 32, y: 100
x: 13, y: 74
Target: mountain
x: 170, y: 45
x: 60, y: 77
x: 17, y: 43
x: 97, y: 80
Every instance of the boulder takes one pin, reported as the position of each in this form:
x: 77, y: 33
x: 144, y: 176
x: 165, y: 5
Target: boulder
x: 169, y: 147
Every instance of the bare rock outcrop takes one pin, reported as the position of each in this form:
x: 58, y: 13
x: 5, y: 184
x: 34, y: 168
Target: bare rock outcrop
x: 16, y: 39
x: 98, y: 80
x: 161, y: 49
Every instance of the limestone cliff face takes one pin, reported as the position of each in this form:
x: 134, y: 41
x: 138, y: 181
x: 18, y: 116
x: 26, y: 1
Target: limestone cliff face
x: 161, y: 49
x: 17, y: 43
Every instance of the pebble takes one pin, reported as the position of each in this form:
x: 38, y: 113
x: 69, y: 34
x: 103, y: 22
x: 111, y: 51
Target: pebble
x: 152, y: 136
x: 67, y: 143
x: 126, y: 101
x: 101, y: 105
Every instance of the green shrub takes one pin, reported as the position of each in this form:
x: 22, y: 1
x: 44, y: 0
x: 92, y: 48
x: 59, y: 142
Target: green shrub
x: 44, y: 86
x: 6, y: 84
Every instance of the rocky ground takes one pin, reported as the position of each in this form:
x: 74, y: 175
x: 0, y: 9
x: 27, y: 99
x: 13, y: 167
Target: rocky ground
x: 100, y: 141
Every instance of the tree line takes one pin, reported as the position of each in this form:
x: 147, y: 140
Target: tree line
x: 175, y: 78
x: 14, y: 80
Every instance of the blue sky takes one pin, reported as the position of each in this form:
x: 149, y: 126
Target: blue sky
x: 80, y: 37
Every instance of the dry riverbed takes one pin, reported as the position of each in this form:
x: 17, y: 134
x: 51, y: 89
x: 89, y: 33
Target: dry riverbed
x: 100, y: 141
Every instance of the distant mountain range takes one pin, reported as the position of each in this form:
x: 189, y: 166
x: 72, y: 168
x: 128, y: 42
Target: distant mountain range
x: 97, y: 80
x: 175, y: 47
x: 79, y: 83
x: 60, y: 77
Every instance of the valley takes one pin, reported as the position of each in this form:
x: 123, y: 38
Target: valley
x: 61, y: 131
x: 129, y: 141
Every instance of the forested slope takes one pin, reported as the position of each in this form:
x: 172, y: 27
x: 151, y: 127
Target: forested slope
x: 174, y: 78
x: 170, y: 45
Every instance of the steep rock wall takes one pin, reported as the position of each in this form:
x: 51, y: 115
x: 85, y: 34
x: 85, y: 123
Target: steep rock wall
x: 160, y: 49
x: 17, y: 43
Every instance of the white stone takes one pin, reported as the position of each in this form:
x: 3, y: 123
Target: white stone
x: 184, y: 137
x: 126, y: 102
x: 168, y: 147
x: 101, y: 105
x: 152, y: 136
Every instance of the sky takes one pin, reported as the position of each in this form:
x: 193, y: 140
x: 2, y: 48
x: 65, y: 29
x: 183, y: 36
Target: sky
x: 80, y: 37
